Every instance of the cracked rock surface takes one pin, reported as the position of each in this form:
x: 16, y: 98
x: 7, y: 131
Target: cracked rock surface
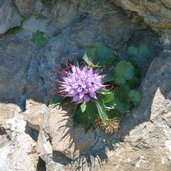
x: 32, y: 134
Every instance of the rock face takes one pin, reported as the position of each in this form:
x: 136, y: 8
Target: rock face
x: 16, y: 146
x: 66, y: 140
x: 14, y: 64
x: 155, y: 13
x: 9, y: 16
x: 71, y: 142
x: 147, y: 145
x: 25, y: 7
x: 36, y: 136
x: 145, y: 133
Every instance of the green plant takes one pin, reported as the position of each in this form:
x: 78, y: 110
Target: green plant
x: 39, y: 38
x: 47, y: 3
x: 139, y: 55
x: 119, y: 93
x: 13, y: 30
x: 23, y: 19
x: 36, y: 14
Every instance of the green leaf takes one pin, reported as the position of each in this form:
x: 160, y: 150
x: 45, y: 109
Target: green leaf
x: 39, y: 38
x: 47, y: 3
x: 89, y: 115
x: 56, y: 100
x: 23, y: 19
x: 100, y: 54
x: 122, y: 93
x: 88, y: 61
x: 121, y: 99
x: 139, y: 55
x: 108, y: 97
x: 75, y: 62
x: 135, y: 97
x: 133, y: 52
x: 104, y: 91
x: 77, y: 116
x: 107, y: 78
x: 101, y: 111
x: 83, y: 107
x: 123, y: 71
x: 120, y: 106
x: 135, y: 81
x: 109, y: 74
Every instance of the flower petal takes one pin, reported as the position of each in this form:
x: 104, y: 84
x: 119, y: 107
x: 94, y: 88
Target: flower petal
x: 92, y: 94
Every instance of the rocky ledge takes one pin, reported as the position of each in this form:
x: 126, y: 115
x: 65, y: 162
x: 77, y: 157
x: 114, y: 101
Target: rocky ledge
x: 36, y: 136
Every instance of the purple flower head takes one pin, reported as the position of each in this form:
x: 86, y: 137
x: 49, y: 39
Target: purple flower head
x: 81, y: 84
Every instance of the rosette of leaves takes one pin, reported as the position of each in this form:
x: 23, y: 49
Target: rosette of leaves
x: 119, y: 96
x: 39, y: 38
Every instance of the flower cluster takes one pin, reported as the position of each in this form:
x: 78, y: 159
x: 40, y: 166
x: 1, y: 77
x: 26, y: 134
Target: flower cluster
x: 81, y: 84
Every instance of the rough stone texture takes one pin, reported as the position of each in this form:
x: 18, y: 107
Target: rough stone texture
x: 35, y: 79
x: 143, y: 141
x: 14, y: 58
x: 19, y: 146
x: 69, y: 141
x: 92, y: 24
x: 34, y: 114
x: 167, y: 3
x: 25, y: 7
x: 35, y: 86
x: 145, y: 134
x: 9, y: 16
x: 56, y: 123
x: 6, y: 112
x: 156, y: 13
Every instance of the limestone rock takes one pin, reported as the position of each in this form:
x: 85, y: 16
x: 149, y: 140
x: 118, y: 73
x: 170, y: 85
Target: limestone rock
x: 58, y: 50
x: 17, y: 151
x: 34, y: 114
x: 9, y: 16
x: 69, y: 141
x: 64, y: 12
x: 56, y: 124
x: 25, y: 7
x: 26, y: 72
x: 15, y: 55
x: 35, y: 87
x: 7, y: 111
x: 155, y: 13
x: 167, y: 3
x: 147, y: 145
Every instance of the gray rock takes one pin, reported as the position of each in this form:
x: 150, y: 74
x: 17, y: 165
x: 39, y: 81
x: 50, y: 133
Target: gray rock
x: 143, y: 141
x: 15, y: 54
x: 156, y: 14
x: 9, y: 16
x: 56, y: 123
x: 167, y: 3
x: 58, y: 50
x: 34, y: 114
x: 35, y: 87
x: 25, y: 7
x: 64, y: 13
x: 17, y: 152
x: 70, y: 141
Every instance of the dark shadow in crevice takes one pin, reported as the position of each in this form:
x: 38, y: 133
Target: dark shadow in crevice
x: 32, y: 132
x: 60, y: 158
x: 41, y: 165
